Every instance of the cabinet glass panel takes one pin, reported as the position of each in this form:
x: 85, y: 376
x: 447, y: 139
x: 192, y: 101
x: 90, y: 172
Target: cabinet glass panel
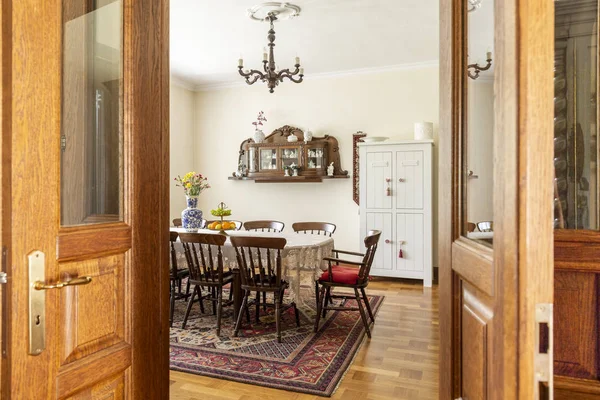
x: 92, y: 112
x: 315, y: 158
x: 576, y: 188
x: 289, y: 157
x: 268, y: 159
x: 478, y: 132
x: 252, y: 159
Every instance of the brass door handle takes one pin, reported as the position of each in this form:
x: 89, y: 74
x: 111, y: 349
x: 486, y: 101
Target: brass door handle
x: 84, y: 280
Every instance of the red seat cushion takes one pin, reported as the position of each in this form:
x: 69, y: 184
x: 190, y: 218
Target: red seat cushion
x: 341, y: 274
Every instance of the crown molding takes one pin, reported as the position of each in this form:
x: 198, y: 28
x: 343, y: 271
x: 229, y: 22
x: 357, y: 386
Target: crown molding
x: 183, y: 83
x: 326, y: 75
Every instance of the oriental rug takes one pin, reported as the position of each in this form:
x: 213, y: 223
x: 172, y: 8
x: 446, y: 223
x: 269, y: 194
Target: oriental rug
x: 304, y: 362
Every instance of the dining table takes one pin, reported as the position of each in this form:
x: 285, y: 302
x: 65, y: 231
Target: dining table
x: 302, y: 261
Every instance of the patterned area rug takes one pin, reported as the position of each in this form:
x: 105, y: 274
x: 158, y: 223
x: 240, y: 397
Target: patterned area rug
x: 304, y: 362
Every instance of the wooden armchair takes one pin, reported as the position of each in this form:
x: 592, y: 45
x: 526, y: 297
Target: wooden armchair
x: 319, y: 228
x: 205, y: 261
x: 264, y: 277
x: 264, y: 226
x: 352, y: 274
x: 177, y: 275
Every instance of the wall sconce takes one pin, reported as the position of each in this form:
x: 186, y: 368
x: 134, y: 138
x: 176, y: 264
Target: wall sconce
x: 477, y: 68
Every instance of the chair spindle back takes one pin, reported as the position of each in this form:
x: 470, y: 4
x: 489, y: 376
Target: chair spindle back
x: 264, y: 226
x: 314, y: 228
x: 259, y: 260
x: 371, y: 242
x: 204, y: 256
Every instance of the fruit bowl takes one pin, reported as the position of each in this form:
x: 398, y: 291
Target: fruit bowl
x: 221, y: 226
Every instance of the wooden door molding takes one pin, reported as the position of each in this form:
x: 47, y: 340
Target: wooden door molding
x: 147, y: 47
x: 128, y: 260
x: 494, y: 292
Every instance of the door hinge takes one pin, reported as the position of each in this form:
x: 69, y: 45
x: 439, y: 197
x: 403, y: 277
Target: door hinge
x: 63, y: 142
x: 544, y: 356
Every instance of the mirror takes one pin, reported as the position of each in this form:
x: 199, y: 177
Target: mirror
x: 478, y: 130
x: 576, y: 188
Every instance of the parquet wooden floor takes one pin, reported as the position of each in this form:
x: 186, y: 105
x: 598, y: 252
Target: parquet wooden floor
x: 399, y: 362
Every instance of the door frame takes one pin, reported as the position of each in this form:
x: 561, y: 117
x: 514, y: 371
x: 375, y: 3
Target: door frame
x: 520, y: 267
x: 146, y: 134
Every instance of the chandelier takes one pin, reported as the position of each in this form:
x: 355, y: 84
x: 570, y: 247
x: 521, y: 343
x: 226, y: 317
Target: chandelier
x: 270, y: 75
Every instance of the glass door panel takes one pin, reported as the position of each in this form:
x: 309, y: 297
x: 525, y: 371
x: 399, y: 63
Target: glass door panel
x: 316, y: 158
x: 576, y: 189
x: 478, y: 130
x: 289, y: 156
x: 268, y: 159
x: 92, y: 113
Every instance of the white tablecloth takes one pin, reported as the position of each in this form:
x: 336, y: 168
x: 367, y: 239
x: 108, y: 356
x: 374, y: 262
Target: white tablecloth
x: 302, y: 258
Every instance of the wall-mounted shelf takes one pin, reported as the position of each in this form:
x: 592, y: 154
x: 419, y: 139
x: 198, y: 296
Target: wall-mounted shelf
x: 267, y: 162
x: 288, y: 179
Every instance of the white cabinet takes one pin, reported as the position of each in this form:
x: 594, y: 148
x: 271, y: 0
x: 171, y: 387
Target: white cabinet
x: 396, y: 198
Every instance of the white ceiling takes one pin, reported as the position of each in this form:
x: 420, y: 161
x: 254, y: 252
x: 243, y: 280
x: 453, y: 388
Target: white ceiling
x: 208, y: 37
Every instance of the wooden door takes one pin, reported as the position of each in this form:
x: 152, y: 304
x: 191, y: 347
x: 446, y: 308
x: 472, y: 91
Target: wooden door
x: 84, y: 88
x: 577, y: 234
x: 496, y: 287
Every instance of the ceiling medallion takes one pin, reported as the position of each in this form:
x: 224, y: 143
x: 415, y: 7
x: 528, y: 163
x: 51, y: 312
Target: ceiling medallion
x: 271, y: 12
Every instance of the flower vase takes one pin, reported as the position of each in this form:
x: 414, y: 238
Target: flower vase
x: 259, y: 136
x: 191, y: 217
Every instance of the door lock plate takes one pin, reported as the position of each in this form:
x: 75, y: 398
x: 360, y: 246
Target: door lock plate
x: 37, y: 303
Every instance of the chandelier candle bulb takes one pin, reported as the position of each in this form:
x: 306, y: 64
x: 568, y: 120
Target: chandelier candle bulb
x: 489, y: 55
x: 301, y: 71
x: 297, y: 60
x: 241, y: 62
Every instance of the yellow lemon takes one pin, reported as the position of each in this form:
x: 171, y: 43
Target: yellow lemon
x: 218, y: 227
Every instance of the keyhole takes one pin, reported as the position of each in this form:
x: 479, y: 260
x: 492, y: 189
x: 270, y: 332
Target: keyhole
x: 37, y: 320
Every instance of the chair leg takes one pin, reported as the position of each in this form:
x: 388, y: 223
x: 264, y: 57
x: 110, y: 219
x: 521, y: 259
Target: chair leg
x: 214, y: 301
x: 265, y: 301
x: 327, y: 301
x: 189, y: 307
x: 248, y: 310
x: 219, y: 309
x: 317, y: 293
x: 297, y: 314
x: 319, y: 307
x: 257, y: 306
x: 179, y: 285
x: 172, y: 306
x: 366, y: 300
x: 187, y: 288
x: 277, y: 315
x: 239, y: 319
x: 200, y: 300
x: 231, y: 291
x: 363, y: 316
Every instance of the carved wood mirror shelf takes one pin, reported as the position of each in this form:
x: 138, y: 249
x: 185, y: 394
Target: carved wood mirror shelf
x: 275, y: 159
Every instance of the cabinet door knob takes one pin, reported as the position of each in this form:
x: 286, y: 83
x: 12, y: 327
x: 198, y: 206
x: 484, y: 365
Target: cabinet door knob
x: 388, y: 241
x: 401, y: 180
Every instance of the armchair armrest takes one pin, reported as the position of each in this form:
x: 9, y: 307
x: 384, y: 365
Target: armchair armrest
x: 339, y: 260
x: 352, y: 253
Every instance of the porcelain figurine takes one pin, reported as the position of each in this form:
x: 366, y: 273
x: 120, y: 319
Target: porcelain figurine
x: 308, y: 135
x: 292, y: 138
x: 330, y: 170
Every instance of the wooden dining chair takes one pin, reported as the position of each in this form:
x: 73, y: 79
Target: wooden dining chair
x: 353, y: 275
x: 259, y: 260
x: 238, y: 224
x: 177, y: 275
x: 205, y: 262
x: 318, y: 228
x: 264, y: 226
x: 177, y: 222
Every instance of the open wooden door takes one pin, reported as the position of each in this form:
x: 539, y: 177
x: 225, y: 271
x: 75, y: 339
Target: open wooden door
x: 84, y: 200
x: 496, y: 199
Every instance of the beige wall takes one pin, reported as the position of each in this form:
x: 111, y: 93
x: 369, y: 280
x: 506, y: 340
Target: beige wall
x: 382, y: 104
x: 181, y: 142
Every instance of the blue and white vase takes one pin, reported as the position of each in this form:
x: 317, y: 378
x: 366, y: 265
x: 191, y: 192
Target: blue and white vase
x: 191, y: 217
